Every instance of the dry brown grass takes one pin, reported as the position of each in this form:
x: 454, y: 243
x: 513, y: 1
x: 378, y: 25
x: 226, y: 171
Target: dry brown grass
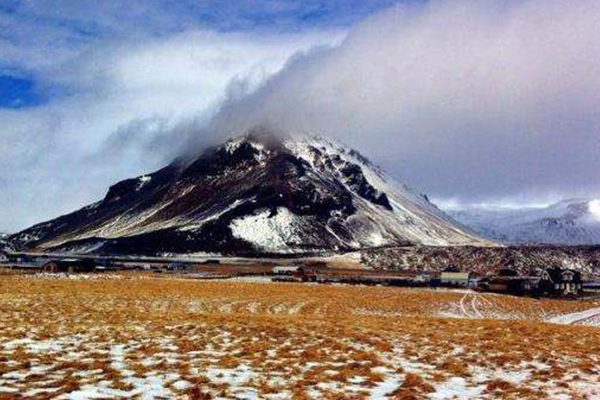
x: 211, y: 339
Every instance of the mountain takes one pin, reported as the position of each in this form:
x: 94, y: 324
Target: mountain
x: 254, y: 194
x: 569, y: 222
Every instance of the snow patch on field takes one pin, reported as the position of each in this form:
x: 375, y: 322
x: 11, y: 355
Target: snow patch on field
x: 586, y: 317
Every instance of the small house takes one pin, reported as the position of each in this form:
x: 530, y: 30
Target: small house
x: 591, y: 286
x: 69, y: 265
x: 177, y: 267
x: 551, y: 282
x: 106, y: 266
x: 517, y: 285
x: 18, y: 258
x: 294, y: 273
x: 287, y: 270
x: 450, y: 278
x: 564, y: 282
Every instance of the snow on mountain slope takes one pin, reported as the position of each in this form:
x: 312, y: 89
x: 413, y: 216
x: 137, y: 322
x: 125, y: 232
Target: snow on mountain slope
x: 569, y: 222
x: 255, y: 194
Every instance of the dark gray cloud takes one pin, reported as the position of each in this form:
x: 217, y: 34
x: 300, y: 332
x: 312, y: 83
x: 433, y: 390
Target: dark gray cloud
x: 466, y: 100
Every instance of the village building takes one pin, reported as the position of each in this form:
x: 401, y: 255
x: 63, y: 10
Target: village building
x: 293, y: 273
x: 177, y: 267
x: 18, y: 258
x: 451, y: 278
x: 565, y: 282
x: 287, y: 270
x: 551, y: 282
x: 517, y: 285
x: 592, y: 286
x: 69, y: 265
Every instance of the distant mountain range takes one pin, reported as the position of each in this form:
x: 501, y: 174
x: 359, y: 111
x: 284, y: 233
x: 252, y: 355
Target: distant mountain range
x: 569, y: 222
x: 254, y: 194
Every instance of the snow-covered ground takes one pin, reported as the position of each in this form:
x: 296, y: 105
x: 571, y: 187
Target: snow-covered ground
x: 185, y: 339
x: 587, y: 317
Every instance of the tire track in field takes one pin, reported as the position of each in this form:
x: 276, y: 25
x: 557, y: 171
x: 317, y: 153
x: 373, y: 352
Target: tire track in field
x: 576, y: 317
x: 469, y: 305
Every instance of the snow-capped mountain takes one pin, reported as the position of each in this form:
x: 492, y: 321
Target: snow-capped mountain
x: 254, y: 194
x: 569, y: 222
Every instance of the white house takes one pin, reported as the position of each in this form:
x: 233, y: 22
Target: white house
x: 286, y: 270
x: 455, y: 278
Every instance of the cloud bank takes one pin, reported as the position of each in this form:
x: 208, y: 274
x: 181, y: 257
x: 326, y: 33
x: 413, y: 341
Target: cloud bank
x: 122, y: 109
x: 469, y: 100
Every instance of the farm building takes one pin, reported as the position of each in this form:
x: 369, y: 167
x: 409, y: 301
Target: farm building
x: 513, y: 284
x: 591, y: 286
x: 177, y: 267
x: 293, y: 273
x: 451, y: 278
x: 553, y: 282
x: 18, y: 258
x: 70, y: 265
x: 565, y: 282
x: 287, y: 270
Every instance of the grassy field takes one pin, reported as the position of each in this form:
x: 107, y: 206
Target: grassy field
x: 134, y: 336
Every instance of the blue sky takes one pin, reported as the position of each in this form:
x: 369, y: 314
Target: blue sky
x: 66, y: 28
x: 18, y: 92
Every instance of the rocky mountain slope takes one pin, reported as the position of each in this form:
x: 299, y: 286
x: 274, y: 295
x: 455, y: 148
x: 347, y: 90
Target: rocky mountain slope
x: 569, y: 222
x: 527, y: 260
x: 256, y: 194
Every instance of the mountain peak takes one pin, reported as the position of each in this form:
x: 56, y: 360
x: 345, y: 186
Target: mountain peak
x: 258, y: 193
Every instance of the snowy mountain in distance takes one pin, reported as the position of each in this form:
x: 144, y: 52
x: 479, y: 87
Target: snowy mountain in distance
x: 569, y: 222
x: 255, y: 194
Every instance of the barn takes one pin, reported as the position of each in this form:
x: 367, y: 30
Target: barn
x: 451, y: 278
x: 564, y: 282
x: 177, y: 267
x: 69, y: 265
x: 287, y: 270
